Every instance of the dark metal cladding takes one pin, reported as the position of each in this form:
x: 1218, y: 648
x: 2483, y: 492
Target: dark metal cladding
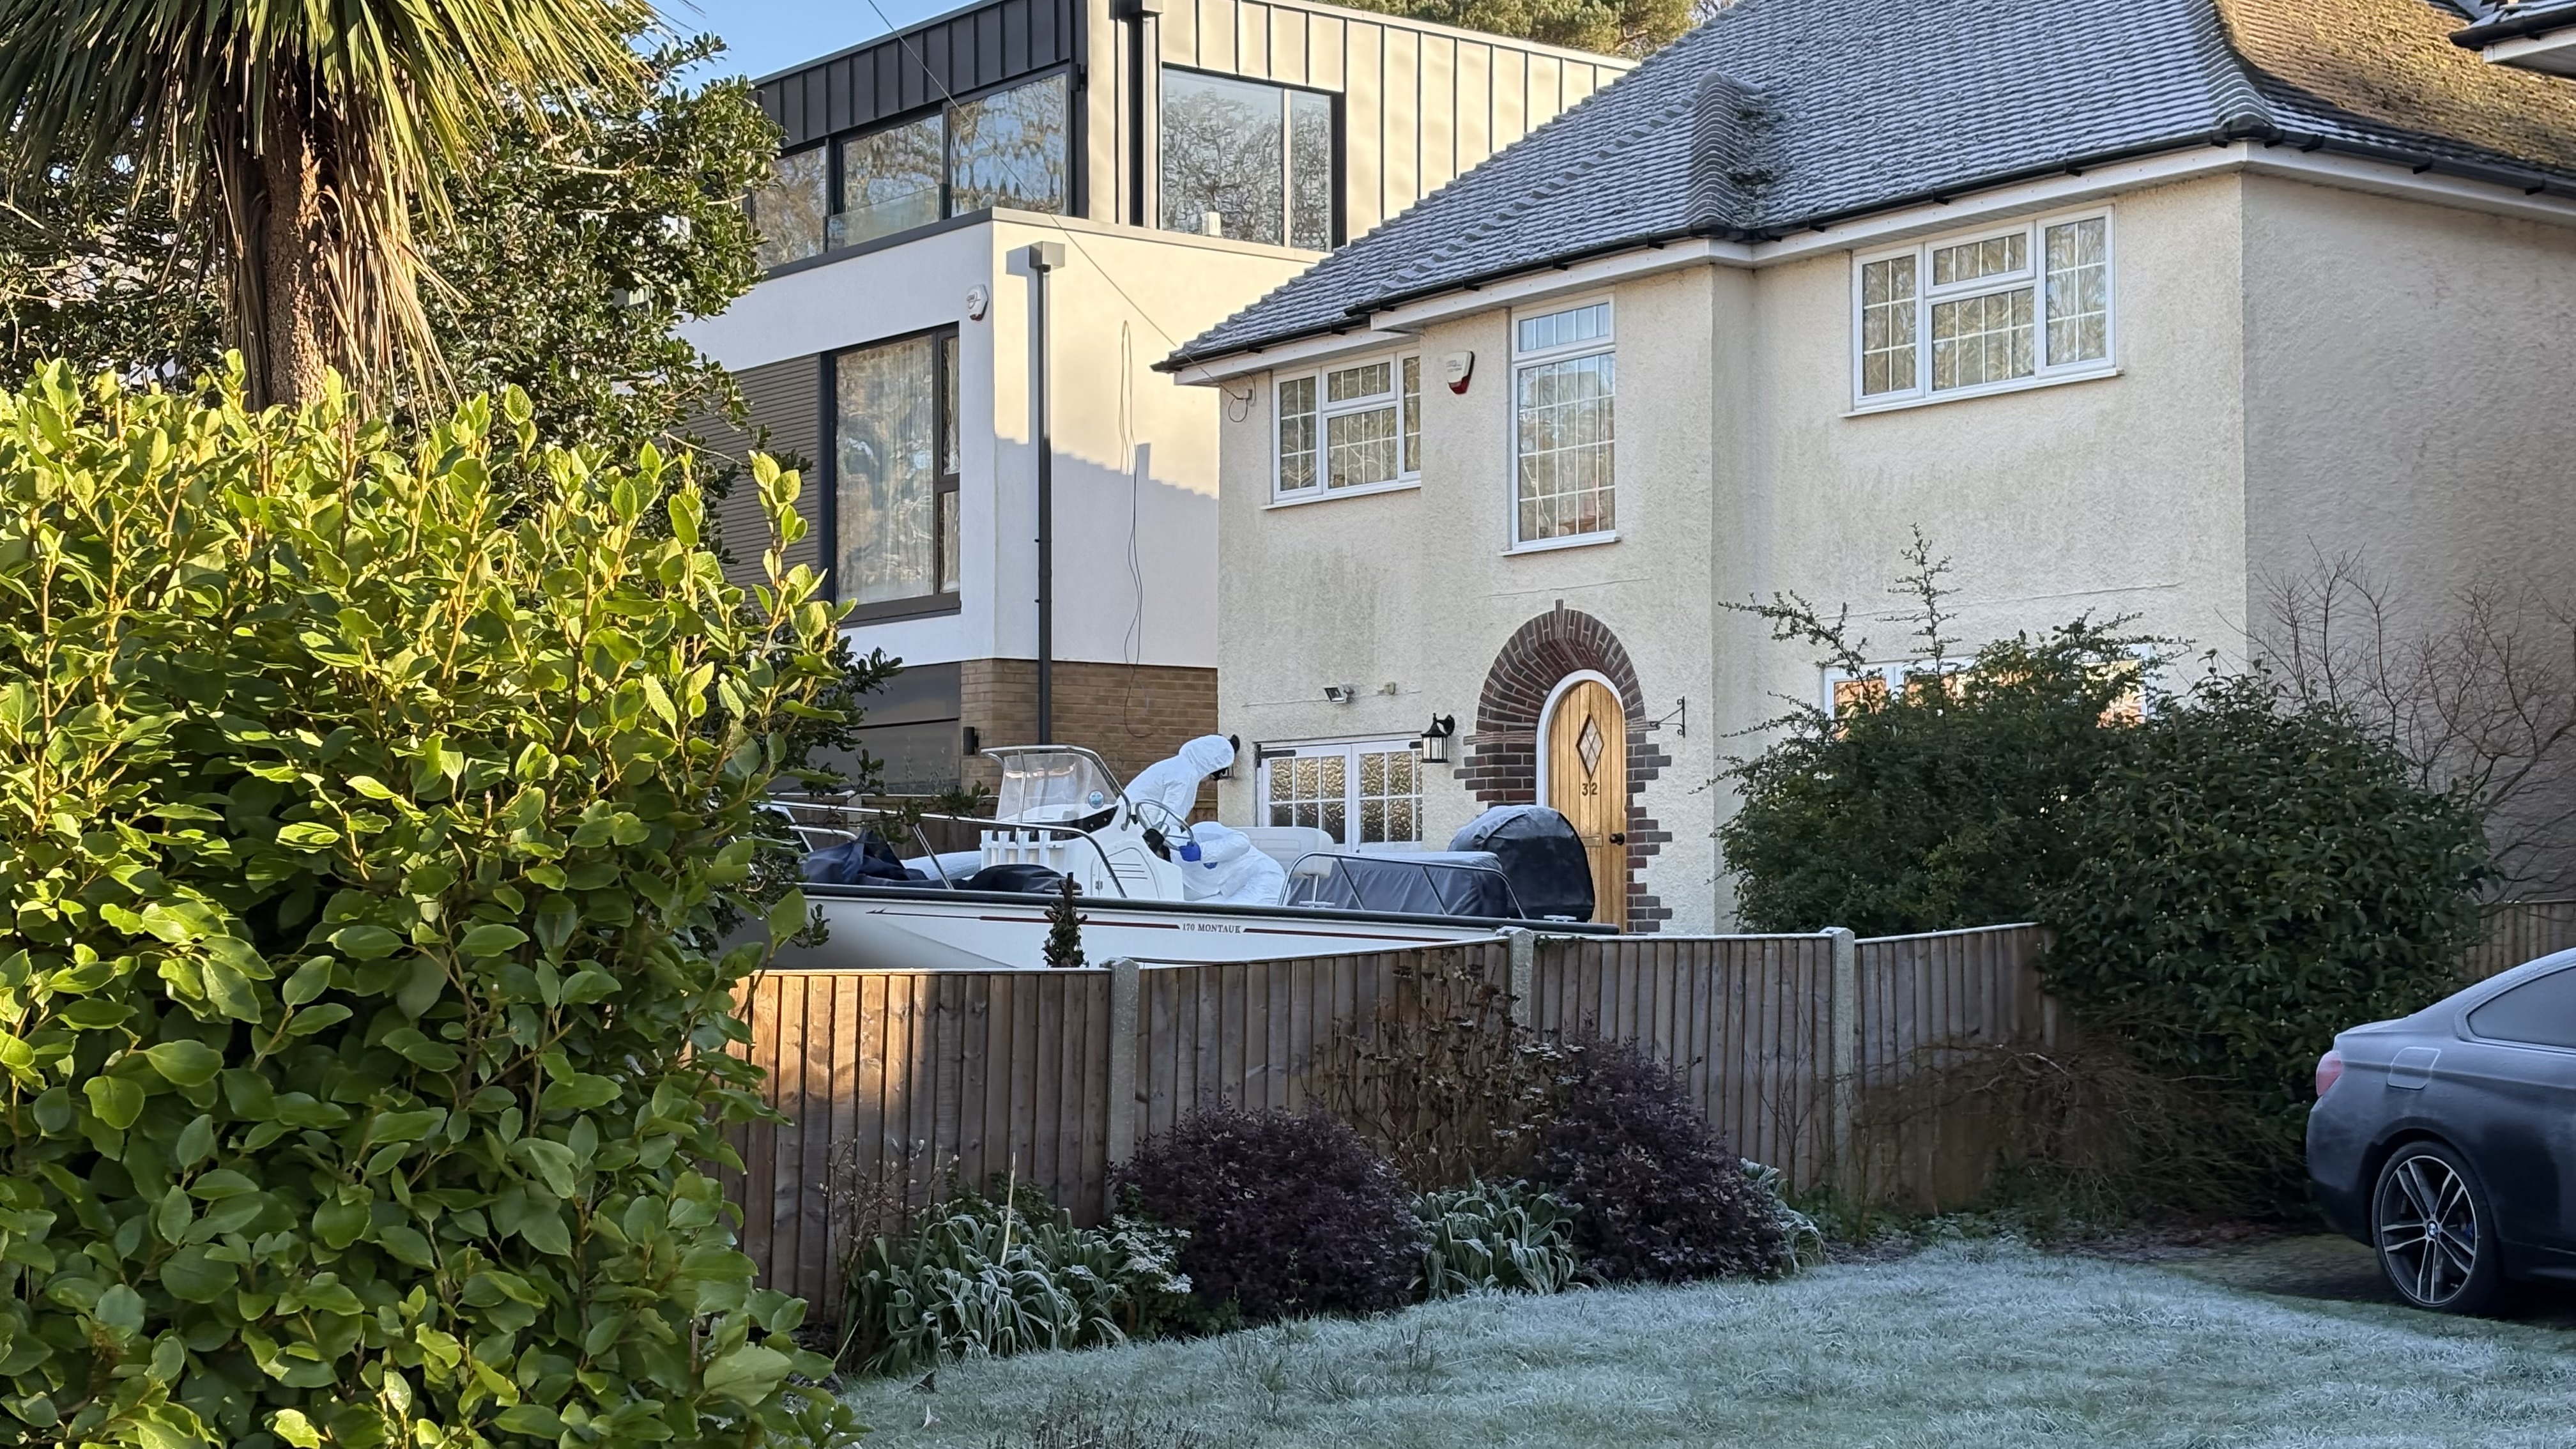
x: 956, y: 54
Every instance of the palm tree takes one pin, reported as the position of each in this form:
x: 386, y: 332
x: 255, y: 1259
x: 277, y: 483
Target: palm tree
x: 300, y: 137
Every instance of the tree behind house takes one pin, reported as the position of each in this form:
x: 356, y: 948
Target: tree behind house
x: 300, y: 142
x: 1607, y: 27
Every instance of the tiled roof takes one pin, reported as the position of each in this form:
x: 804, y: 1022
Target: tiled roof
x: 1776, y: 115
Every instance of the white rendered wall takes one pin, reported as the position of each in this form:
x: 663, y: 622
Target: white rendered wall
x: 1741, y: 473
x: 1135, y: 453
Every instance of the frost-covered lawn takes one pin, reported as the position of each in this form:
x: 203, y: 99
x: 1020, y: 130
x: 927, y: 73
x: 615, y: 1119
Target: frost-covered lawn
x: 1976, y: 1345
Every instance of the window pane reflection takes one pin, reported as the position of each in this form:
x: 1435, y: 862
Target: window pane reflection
x: 1246, y: 160
x: 884, y: 437
x: 788, y: 212
x: 889, y: 181
x: 1010, y: 150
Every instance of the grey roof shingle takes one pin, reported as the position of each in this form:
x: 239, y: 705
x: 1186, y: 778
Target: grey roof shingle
x: 1777, y: 115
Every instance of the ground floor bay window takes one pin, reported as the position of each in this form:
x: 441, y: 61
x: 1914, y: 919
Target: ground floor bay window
x: 894, y: 474
x: 1367, y: 792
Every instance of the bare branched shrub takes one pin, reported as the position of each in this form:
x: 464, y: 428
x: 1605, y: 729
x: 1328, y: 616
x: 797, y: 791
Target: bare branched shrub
x: 2477, y: 693
x: 1438, y: 1079
x: 2106, y: 1137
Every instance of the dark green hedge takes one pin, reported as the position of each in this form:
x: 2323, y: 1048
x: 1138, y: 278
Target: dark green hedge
x: 362, y: 829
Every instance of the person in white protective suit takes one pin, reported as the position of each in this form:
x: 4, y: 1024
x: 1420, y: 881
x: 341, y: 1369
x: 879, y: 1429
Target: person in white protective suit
x: 1218, y: 864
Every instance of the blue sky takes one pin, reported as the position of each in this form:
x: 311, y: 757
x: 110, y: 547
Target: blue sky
x: 768, y: 35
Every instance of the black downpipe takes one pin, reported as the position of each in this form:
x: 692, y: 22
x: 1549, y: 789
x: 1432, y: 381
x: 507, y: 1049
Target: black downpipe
x: 1044, y: 257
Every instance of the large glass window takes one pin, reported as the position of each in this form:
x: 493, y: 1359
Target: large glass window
x: 788, y: 213
x: 1247, y: 160
x: 1985, y: 311
x: 895, y: 469
x: 1355, y: 426
x: 1564, y: 387
x: 890, y: 181
x: 1008, y: 149
x: 1368, y: 793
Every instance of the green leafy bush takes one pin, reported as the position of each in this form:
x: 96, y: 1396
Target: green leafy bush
x: 1658, y: 1195
x: 1943, y: 803
x: 362, y: 1020
x: 2252, y: 876
x: 1286, y: 1214
x: 1495, y: 1235
x: 1006, y: 1274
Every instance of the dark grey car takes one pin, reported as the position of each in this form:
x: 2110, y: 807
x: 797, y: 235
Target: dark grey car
x: 2447, y: 1140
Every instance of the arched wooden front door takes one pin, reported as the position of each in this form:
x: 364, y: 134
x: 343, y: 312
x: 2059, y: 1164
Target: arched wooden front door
x: 1587, y: 779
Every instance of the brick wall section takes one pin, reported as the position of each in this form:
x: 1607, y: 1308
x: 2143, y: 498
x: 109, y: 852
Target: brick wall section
x: 1129, y: 714
x: 1501, y: 766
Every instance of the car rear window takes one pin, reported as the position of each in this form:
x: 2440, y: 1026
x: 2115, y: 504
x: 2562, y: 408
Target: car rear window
x: 2541, y: 1012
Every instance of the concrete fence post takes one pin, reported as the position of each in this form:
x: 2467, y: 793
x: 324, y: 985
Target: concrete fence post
x: 1842, y: 1019
x: 1522, y: 944
x: 1125, y: 986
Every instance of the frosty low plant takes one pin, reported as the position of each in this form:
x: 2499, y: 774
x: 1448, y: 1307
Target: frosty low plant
x: 1501, y: 1236
x: 1802, y: 1243
x: 1004, y: 1275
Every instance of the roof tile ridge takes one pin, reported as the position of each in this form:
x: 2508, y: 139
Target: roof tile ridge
x: 2236, y: 100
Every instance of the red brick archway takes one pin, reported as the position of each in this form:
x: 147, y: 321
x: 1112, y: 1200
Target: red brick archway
x: 1501, y: 764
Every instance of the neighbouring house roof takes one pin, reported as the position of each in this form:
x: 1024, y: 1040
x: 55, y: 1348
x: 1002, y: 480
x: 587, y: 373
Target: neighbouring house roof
x: 1779, y: 115
x: 2514, y: 20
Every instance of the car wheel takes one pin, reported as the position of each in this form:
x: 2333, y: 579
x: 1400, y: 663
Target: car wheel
x: 2435, y: 1234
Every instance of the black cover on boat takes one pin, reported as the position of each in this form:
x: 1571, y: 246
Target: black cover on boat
x: 867, y: 860
x: 1032, y: 879
x: 1541, y: 855
x: 1422, y: 883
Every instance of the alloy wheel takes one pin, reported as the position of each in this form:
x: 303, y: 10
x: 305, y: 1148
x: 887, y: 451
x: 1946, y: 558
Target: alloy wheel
x: 2428, y: 1230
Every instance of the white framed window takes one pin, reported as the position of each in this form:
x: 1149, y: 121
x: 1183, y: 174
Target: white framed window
x: 1845, y: 689
x: 1986, y: 311
x: 1354, y: 427
x: 1363, y: 792
x: 1564, y: 426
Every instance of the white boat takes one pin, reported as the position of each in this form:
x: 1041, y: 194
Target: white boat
x: 1147, y: 889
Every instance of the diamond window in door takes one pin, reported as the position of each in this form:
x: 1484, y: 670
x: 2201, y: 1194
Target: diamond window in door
x: 1367, y: 793
x: 1588, y: 745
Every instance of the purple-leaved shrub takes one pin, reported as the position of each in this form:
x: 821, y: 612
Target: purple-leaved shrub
x: 1286, y: 1215
x: 1659, y: 1195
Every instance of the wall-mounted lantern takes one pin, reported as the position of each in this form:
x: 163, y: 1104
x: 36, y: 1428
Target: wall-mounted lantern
x: 1435, y: 740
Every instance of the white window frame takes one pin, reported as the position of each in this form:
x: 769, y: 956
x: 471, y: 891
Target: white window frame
x: 1894, y: 673
x: 1351, y: 749
x: 1605, y: 345
x: 1318, y: 491
x: 2032, y: 275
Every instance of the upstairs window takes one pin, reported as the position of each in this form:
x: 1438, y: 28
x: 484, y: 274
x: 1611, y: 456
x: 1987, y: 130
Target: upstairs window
x: 789, y: 213
x: 1355, y: 427
x: 1007, y: 149
x: 1247, y: 160
x: 894, y: 456
x: 1564, y: 395
x: 1984, y: 312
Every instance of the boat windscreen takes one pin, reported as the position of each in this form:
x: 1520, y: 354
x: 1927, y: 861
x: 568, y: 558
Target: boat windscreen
x: 1052, y: 786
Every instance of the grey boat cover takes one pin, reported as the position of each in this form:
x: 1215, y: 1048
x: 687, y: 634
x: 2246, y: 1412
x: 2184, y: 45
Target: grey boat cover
x: 1413, y: 882
x: 1540, y: 854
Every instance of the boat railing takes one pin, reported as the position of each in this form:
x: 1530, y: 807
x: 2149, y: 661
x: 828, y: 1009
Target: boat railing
x: 833, y: 831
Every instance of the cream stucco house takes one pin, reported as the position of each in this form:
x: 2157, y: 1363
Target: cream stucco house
x: 1165, y: 162
x: 2126, y: 305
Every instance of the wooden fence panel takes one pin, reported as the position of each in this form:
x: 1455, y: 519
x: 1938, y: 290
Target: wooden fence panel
x: 2513, y: 932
